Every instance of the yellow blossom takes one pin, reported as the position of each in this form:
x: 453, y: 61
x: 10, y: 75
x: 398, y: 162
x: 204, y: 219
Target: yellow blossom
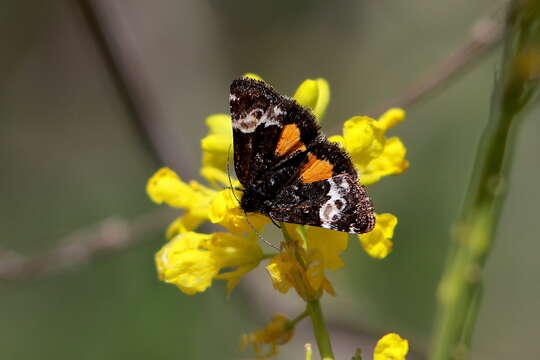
x: 299, y: 268
x: 330, y: 243
x: 217, y: 144
x: 226, y: 211
x: 266, y: 341
x: 378, y: 242
x: 252, y: 76
x: 192, y: 260
x: 165, y: 186
x: 392, y: 161
x: 185, y: 263
x: 315, y: 94
x: 391, y: 347
x: 372, y: 153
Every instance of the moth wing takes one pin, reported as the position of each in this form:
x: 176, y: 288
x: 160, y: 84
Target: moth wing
x: 338, y: 203
x: 268, y: 129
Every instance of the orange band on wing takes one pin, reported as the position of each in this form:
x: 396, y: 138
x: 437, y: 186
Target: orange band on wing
x: 289, y: 140
x: 315, y: 170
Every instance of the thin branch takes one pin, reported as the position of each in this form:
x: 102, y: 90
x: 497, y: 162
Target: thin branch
x: 125, y: 73
x: 484, y: 35
x: 109, y: 236
x: 125, y: 66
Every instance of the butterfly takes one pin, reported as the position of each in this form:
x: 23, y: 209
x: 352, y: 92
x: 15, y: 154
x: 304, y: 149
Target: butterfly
x: 288, y: 169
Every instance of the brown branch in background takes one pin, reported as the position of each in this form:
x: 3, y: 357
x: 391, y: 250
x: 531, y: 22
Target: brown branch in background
x: 125, y: 74
x: 484, y: 35
x: 109, y: 236
x: 115, y: 234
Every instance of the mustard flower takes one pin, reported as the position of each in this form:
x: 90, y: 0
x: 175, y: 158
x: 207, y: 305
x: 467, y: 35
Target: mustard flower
x: 309, y: 252
x: 265, y: 342
x: 372, y: 153
x: 192, y: 260
x: 378, y: 243
x: 391, y: 347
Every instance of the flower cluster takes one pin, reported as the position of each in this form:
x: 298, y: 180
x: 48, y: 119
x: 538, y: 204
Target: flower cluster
x: 192, y: 260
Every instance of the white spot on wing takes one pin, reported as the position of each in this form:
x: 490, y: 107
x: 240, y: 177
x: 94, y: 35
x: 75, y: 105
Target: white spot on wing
x: 329, y: 211
x: 249, y: 123
x: 233, y: 97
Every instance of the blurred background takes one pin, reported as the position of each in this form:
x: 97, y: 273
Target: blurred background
x: 78, y: 143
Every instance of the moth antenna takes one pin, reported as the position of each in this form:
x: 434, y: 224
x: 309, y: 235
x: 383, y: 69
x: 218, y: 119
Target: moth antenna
x: 229, y: 175
x: 259, y: 234
x: 274, y: 222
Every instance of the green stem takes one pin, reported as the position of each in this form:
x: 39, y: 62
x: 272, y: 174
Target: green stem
x: 268, y: 256
x: 297, y: 319
x: 460, y: 288
x: 320, y: 331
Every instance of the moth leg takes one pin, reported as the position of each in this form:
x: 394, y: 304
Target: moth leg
x: 275, y: 223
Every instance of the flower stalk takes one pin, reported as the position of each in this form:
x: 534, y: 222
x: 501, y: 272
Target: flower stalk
x: 319, y: 329
x: 313, y: 307
x: 459, y: 292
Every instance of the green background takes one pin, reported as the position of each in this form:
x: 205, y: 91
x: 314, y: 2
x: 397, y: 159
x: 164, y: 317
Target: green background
x: 71, y: 156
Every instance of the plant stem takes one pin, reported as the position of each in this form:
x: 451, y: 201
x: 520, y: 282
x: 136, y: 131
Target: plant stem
x: 297, y: 319
x: 313, y: 307
x: 319, y: 329
x: 460, y: 288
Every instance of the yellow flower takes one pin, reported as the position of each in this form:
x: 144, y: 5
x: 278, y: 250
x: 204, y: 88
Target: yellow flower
x: 391, y: 347
x: 378, y: 243
x: 302, y: 267
x: 165, y: 186
x: 330, y: 243
x: 315, y: 94
x: 266, y: 341
x: 192, y: 260
x: 185, y: 263
x: 216, y: 145
x: 372, y: 154
x: 225, y: 210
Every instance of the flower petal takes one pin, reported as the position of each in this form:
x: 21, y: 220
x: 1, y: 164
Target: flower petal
x: 234, y: 251
x: 219, y: 124
x: 391, y: 347
x: 183, y: 224
x: 215, y: 176
x: 391, y: 162
x: 217, y: 144
x: 266, y: 341
x: 314, y: 94
x: 183, y: 263
x: 330, y: 243
x: 340, y: 140
x: 252, y: 76
x: 378, y: 243
x: 278, y: 269
x: 364, y: 139
x: 391, y: 118
x: 225, y: 210
x: 165, y: 186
